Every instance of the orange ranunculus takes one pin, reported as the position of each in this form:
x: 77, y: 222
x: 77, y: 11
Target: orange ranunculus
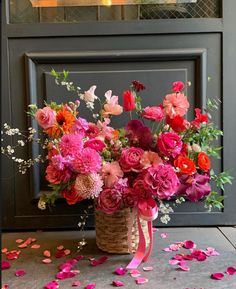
x: 65, y: 119
x: 203, y: 161
x: 185, y: 165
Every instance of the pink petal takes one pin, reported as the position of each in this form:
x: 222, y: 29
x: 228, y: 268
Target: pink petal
x: 64, y: 275
x: 47, y: 253
x: 35, y: 246
x: 178, y: 257
x: 117, y: 283
x: 189, y: 244
x: 174, y: 247
x: 65, y: 267
x: 231, y: 270
x: 217, y: 276
x: 211, y: 252
x: 188, y: 257
x: 22, y: 246
x: 120, y: 271
x: 141, y: 280
x: 201, y: 257
x: 67, y: 252
x: 174, y: 262
x: 5, y: 286
x: 183, y: 266
x: 72, y: 261
x: 47, y: 261
x: 164, y: 235
x: 5, y: 265
x: 28, y: 241
x: 75, y: 271
x: 150, y: 268
x: 76, y: 283
x: 90, y: 286
x: 134, y: 273
x: 155, y: 230
x: 52, y: 285
x: 33, y: 240
x: 20, y: 273
x: 18, y: 241
x: 167, y: 249
x: 4, y: 250
x: 94, y: 263
x: 12, y: 255
x: 61, y: 247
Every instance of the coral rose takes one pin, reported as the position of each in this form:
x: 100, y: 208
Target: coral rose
x: 185, y: 165
x: 46, y: 117
x: 109, y: 201
x: 129, y: 100
x: 204, y: 162
x: 130, y: 159
x: 169, y: 144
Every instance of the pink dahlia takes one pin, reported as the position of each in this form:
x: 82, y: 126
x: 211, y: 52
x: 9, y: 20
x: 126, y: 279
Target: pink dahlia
x: 71, y: 144
x: 169, y: 144
x: 109, y: 201
x: 87, y: 161
x: 155, y: 113
x: 130, y: 159
x: 55, y: 176
x: 162, y: 181
x: 111, y: 173
x: 95, y: 144
x: 175, y: 104
x: 88, y: 186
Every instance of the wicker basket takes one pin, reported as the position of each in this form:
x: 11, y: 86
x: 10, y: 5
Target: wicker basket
x: 112, y: 231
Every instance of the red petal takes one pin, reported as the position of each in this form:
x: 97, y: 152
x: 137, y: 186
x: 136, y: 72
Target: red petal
x: 217, y: 276
x: 60, y: 254
x: 18, y: 241
x: 120, y: 271
x: 78, y: 258
x: 102, y: 259
x: 35, y: 246
x: 64, y: 275
x: 5, y: 286
x: 47, y: 261
x: 28, y: 241
x: 201, y: 257
x: 22, y: 246
x: 12, y: 255
x: 134, y: 273
x: 90, y: 286
x: 231, y: 270
x: 20, y: 273
x: 76, y: 283
x: 150, y: 268
x: 52, y: 285
x: 141, y: 280
x: 67, y: 252
x: 188, y: 244
x: 117, y: 283
x: 65, y: 267
x: 188, y: 257
x: 47, y: 253
x: 5, y: 265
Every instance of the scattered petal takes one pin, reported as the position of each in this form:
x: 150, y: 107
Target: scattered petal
x: 217, y: 276
x: 75, y: 271
x: 174, y: 247
x: 183, y: 266
x: 155, y: 230
x: 164, y: 235
x: 4, y: 250
x: 90, y: 286
x: 47, y: 261
x: 33, y: 240
x: 5, y: 265
x: 231, y: 270
x: 188, y: 257
x: 35, y: 246
x: 211, y: 252
x: 65, y: 267
x: 60, y: 254
x: 120, y: 271
x: 20, y: 273
x: 188, y: 244
x: 147, y: 269
x: 28, y: 241
x: 201, y: 257
x: 67, y: 252
x: 76, y: 283
x: 167, y: 249
x: 141, y: 280
x: 135, y: 273
x: 174, y: 262
x: 19, y: 241
x: 102, y: 259
x: 47, y: 253
x: 5, y: 286
x: 117, y: 283
x: 52, y: 285
x: 78, y: 258
x: 61, y: 247
x: 12, y: 255
x: 22, y: 246
x: 64, y: 275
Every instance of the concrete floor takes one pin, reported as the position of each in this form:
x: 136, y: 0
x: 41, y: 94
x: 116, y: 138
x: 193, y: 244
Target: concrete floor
x: 163, y: 276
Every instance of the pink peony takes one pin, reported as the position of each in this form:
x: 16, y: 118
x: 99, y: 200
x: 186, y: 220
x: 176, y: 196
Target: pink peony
x: 162, y: 181
x: 80, y: 126
x: 169, y: 144
x: 177, y: 86
x: 130, y: 198
x: 71, y: 144
x: 95, y: 144
x: 149, y: 159
x: 155, y: 113
x: 109, y: 201
x: 130, y: 159
x: 175, y: 104
x: 89, y: 185
x: 87, y: 161
x: 111, y: 173
x: 46, y: 117
x: 55, y: 176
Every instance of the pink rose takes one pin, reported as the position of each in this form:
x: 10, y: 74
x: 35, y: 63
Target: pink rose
x: 155, y: 113
x: 130, y: 159
x: 162, y: 181
x: 45, y: 117
x: 111, y: 173
x: 177, y: 86
x: 130, y: 198
x: 109, y: 201
x: 169, y: 144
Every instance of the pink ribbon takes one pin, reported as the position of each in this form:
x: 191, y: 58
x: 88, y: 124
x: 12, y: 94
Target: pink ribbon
x: 148, y: 211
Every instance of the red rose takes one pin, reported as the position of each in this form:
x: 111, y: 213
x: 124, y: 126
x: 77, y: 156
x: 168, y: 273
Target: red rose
x: 185, y: 165
x: 204, y: 162
x: 129, y: 100
x: 71, y: 196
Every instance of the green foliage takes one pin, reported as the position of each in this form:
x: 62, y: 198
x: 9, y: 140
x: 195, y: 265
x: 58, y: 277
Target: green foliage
x: 221, y: 179
x: 214, y: 200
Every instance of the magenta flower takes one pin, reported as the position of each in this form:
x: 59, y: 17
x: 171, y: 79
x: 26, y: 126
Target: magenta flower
x: 194, y: 187
x: 162, y: 181
x: 80, y: 126
x: 95, y: 144
x: 109, y: 201
x: 169, y: 144
x: 130, y: 159
x: 71, y: 144
x: 177, y: 86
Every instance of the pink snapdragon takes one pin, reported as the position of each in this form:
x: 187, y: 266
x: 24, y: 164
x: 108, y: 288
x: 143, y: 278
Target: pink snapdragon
x: 111, y: 107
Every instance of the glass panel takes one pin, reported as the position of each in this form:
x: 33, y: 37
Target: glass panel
x: 23, y: 12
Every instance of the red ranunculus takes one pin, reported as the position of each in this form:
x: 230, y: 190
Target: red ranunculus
x: 129, y: 100
x: 185, y: 164
x: 177, y: 123
x: 71, y: 196
x: 203, y: 161
x: 200, y: 118
x: 177, y: 86
x: 137, y: 85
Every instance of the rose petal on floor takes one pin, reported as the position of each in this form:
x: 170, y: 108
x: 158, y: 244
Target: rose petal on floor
x: 90, y: 286
x: 174, y: 262
x: 5, y: 286
x: 164, y: 235
x: 211, y: 252
x: 33, y: 240
x: 5, y: 265
x: 47, y: 253
x: 201, y: 257
x: 28, y: 241
x: 76, y: 283
x: 102, y: 259
x: 188, y: 244
x: 135, y: 273
x: 20, y: 273
x: 4, y: 250
x: 167, y: 249
x: 78, y: 258
x: 35, y: 246
x: 60, y: 254
x: 52, y: 285
x: 65, y: 267
x: 174, y: 247
x: 47, y: 261
x: 60, y: 247
x: 65, y: 275
x: 155, y: 229
x: 231, y: 270
x: 178, y: 257
x: 12, y: 255
x: 22, y: 246
x: 147, y: 269
x: 217, y: 276
x: 141, y: 280
x: 19, y: 241
x: 183, y: 266
x: 117, y: 283
x: 67, y: 252
x: 120, y: 271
